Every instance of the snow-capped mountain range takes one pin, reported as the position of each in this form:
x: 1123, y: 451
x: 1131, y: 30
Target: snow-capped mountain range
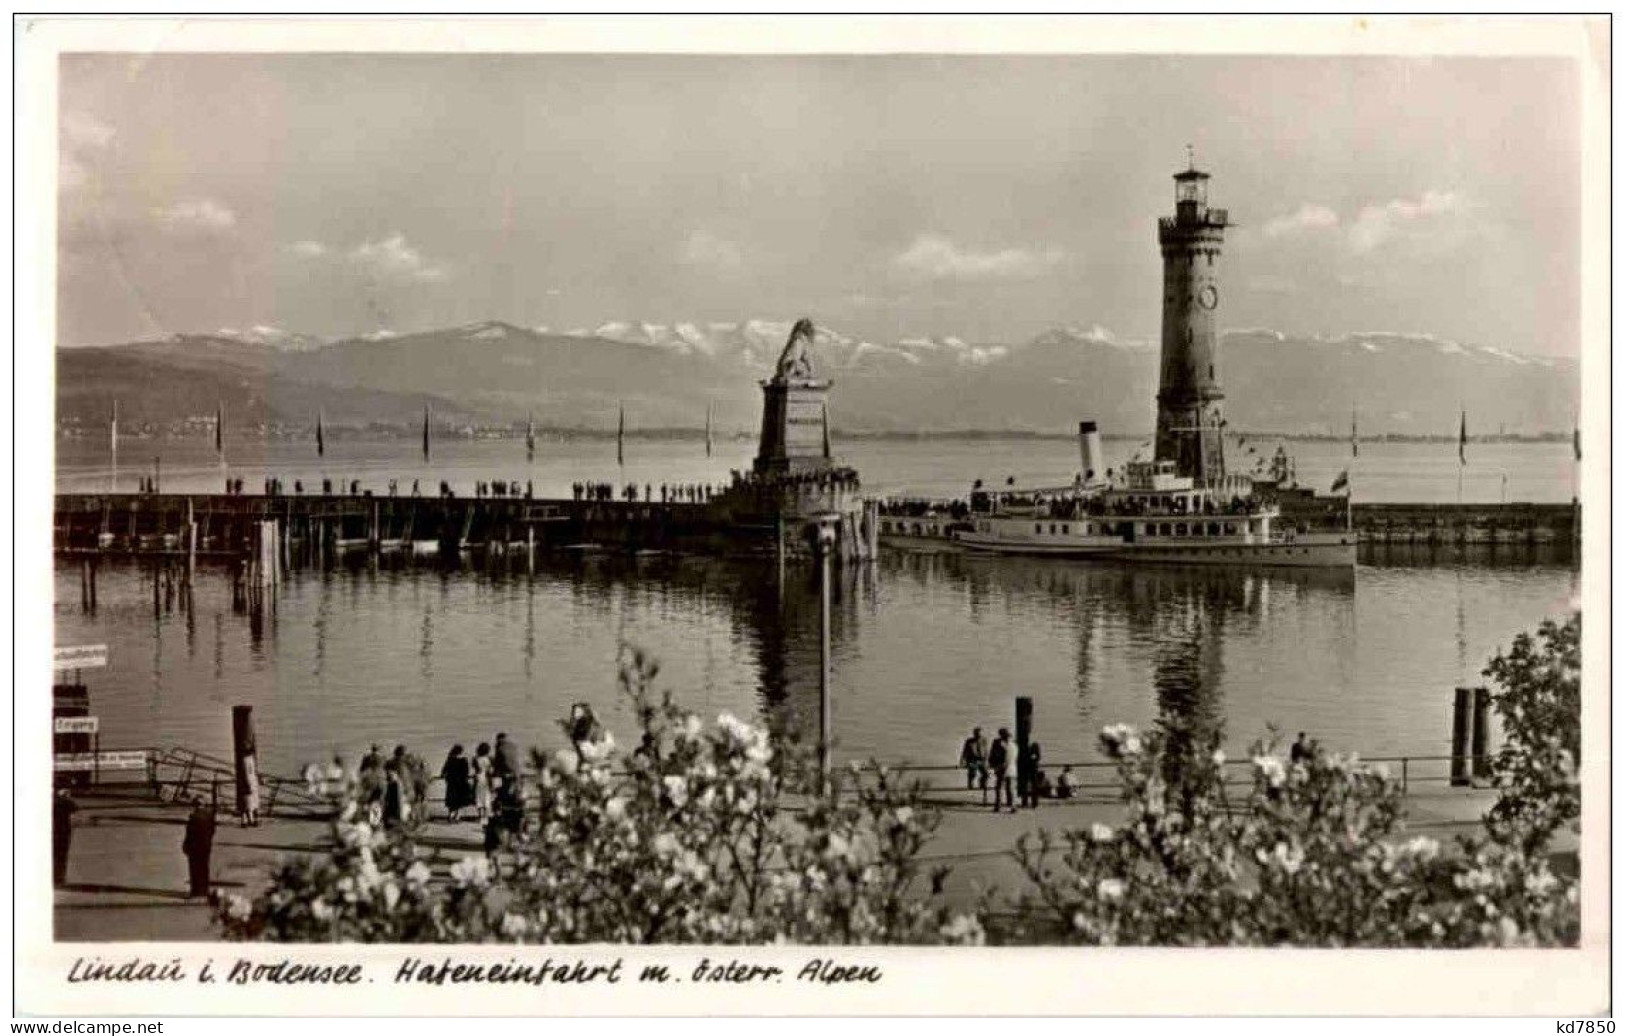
x: 667, y: 373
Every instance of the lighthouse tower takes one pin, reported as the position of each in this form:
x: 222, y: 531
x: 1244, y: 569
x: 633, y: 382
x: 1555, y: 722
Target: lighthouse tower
x: 1190, y: 421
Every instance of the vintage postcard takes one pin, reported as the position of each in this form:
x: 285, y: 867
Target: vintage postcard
x: 812, y: 516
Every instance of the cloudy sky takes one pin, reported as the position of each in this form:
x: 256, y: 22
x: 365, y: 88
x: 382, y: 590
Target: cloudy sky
x: 989, y: 198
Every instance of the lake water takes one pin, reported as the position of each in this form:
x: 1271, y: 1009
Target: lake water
x: 924, y: 647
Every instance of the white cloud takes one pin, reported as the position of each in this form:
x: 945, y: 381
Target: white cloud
x: 1309, y: 217
x: 1376, y: 225
x: 84, y: 133
x: 308, y: 249
x: 393, y: 258
x: 81, y: 141
x: 980, y: 356
x: 203, y: 214
x: 704, y: 248
x: 935, y: 257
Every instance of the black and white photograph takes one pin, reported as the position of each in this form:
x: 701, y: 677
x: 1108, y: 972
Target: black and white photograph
x: 802, y: 505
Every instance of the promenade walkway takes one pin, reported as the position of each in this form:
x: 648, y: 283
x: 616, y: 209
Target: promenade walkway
x: 127, y: 877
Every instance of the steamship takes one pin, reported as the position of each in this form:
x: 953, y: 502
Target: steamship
x: 1181, y: 506
x: 1146, y: 512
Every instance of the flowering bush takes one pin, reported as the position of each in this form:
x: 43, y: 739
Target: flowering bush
x: 1537, y: 769
x: 699, y: 835
x: 1311, y: 852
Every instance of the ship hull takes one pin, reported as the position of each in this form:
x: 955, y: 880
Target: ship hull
x: 1310, y: 550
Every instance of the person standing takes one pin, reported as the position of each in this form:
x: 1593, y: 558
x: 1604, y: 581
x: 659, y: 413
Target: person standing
x: 480, y: 775
x: 62, y: 810
x: 505, y: 765
x: 198, y: 846
x: 394, y: 797
x: 459, y: 793
x: 973, y: 757
x: 1030, y: 788
x: 1001, y: 762
x: 1300, y: 749
x: 417, y: 773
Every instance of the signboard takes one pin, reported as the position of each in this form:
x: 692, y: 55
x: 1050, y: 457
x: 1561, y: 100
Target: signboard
x: 86, y: 761
x: 77, y: 725
x: 82, y: 656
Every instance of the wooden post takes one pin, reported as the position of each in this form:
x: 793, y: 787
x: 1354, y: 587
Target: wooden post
x: 1458, y: 737
x: 245, y: 755
x: 824, y: 718
x: 1481, y: 732
x: 1024, y: 734
x: 84, y: 586
x: 191, y: 542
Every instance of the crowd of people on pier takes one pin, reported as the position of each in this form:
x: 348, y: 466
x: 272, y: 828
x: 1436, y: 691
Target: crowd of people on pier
x: 1017, y: 775
x: 485, y: 787
x: 500, y: 490
x: 604, y: 492
x: 1012, y: 772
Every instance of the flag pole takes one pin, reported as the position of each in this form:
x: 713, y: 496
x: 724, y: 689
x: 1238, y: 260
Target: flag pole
x: 1461, y: 456
x: 112, y: 445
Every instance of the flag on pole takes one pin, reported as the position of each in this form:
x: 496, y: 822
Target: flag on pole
x: 708, y: 429
x: 1354, y: 432
x: 1341, y: 481
x: 530, y: 437
x: 1461, y: 445
x: 425, y: 431
x: 620, y: 439
x: 220, y: 430
x: 112, y: 447
x: 321, y: 440
x: 1576, y: 437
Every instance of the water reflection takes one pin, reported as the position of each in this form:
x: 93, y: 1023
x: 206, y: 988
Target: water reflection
x: 924, y: 647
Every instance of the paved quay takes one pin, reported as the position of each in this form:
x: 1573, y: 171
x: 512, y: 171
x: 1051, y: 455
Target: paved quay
x: 127, y: 878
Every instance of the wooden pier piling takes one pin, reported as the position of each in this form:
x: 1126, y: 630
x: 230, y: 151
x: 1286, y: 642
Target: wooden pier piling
x: 1459, y: 728
x: 1481, y: 733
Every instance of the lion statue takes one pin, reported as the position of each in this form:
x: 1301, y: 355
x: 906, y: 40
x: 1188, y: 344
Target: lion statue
x: 795, y: 361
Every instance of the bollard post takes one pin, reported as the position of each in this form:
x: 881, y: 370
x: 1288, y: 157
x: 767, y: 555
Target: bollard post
x: 1481, y: 733
x: 825, y: 720
x: 1024, y: 736
x: 247, y: 763
x: 1458, y: 738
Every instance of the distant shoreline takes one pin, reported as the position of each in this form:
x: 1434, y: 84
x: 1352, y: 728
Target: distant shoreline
x: 340, y: 433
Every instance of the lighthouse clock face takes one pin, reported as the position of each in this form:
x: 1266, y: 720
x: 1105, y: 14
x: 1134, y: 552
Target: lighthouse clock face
x: 1208, y: 297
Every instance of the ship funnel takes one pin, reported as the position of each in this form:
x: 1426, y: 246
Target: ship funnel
x: 1094, y: 460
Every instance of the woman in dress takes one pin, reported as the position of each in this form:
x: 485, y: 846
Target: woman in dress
x: 459, y: 795
x: 480, y: 776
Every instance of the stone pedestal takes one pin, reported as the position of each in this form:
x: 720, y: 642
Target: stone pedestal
x: 795, y: 437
